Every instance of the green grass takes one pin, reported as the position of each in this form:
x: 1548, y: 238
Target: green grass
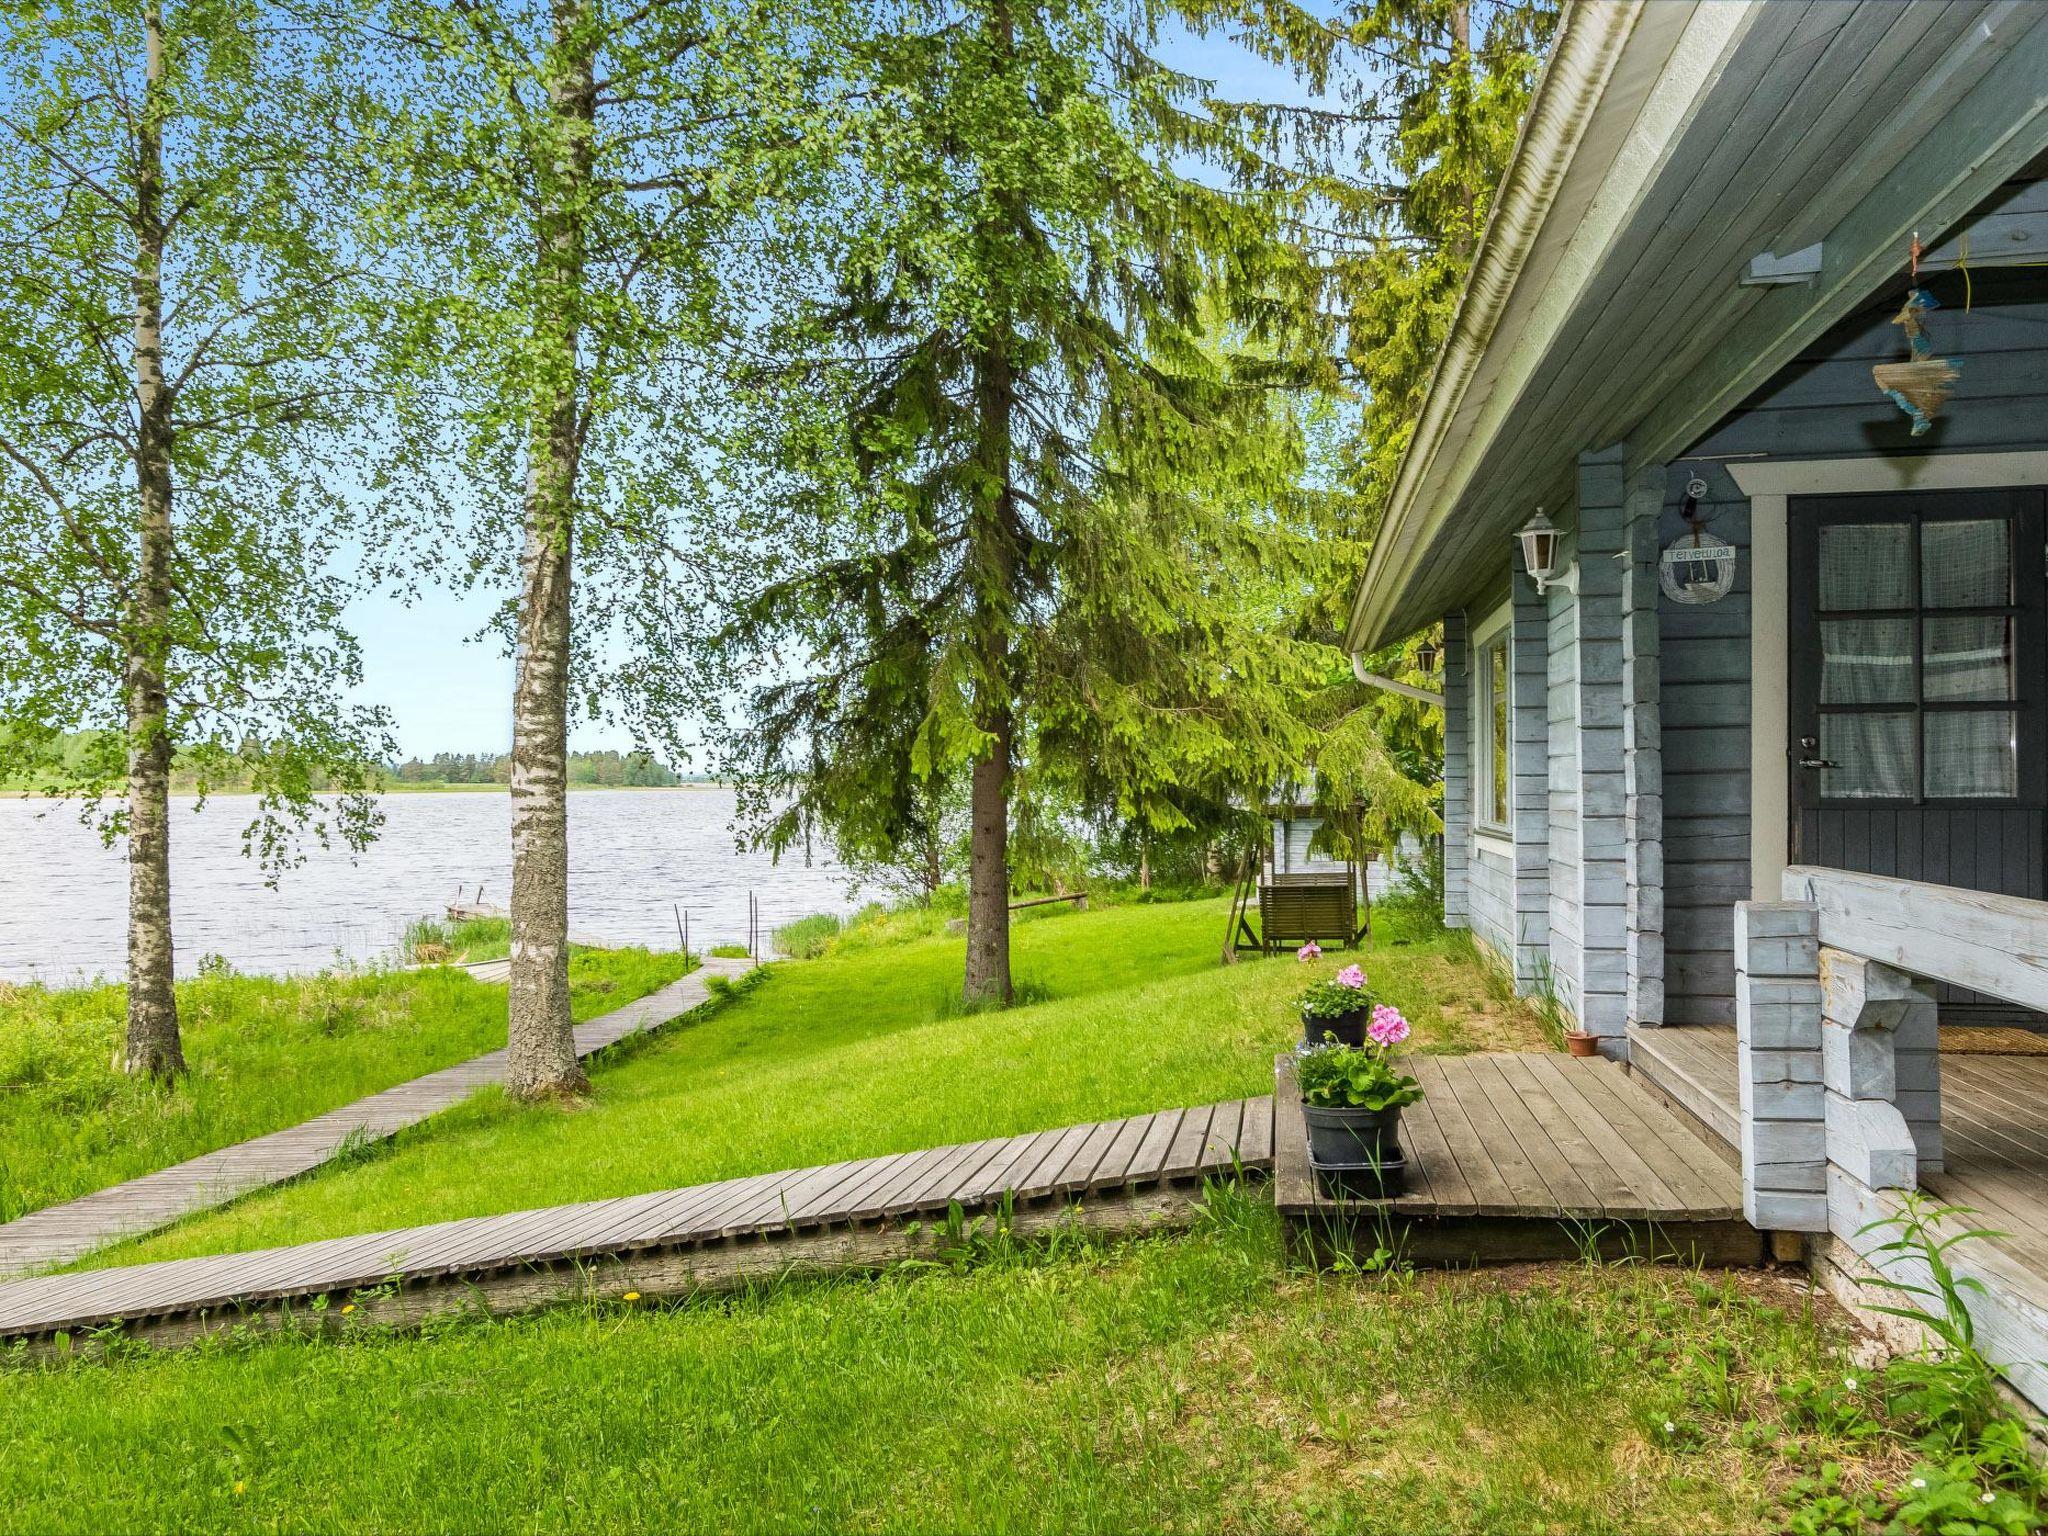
x: 263, y: 1053
x: 808, y: 937
x: 457, y: 941
x: 1189, y: 1383
x: 868, y: 1051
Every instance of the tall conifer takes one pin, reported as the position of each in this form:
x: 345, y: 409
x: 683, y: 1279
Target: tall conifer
x: 1008, y: 434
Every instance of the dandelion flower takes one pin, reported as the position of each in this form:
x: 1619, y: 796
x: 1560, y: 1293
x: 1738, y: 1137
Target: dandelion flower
x: 632, y: 1295
x: 241, y: 1485
x: 347, y: 1307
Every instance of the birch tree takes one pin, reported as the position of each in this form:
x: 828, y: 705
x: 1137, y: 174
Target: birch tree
x: 571, y: 192
x: 176, y: 385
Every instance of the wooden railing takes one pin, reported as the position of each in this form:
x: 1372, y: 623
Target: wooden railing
x: 1837, y: 1031
x: 1997, y: 945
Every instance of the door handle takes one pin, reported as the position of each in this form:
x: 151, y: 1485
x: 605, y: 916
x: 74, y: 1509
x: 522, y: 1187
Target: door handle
x: 1811, y: 746
x: 1817, y: 762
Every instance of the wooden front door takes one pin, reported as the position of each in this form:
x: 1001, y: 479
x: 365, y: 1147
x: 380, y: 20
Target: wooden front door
x: 1919, y: 687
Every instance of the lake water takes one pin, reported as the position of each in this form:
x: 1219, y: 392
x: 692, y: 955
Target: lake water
x: 634, y: 856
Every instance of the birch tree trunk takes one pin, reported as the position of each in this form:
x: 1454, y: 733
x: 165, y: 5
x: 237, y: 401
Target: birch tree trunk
x: 153, y: 1043
x: 994, y: 560
x: 540, y: 1035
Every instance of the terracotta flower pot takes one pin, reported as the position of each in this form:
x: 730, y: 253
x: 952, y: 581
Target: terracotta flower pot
x: 1579, y: 1043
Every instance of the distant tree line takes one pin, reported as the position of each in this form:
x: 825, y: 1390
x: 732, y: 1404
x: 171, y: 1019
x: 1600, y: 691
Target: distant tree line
x: 630, y: 770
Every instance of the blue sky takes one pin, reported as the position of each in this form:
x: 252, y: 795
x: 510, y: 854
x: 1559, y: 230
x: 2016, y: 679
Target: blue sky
x: 451, y: 692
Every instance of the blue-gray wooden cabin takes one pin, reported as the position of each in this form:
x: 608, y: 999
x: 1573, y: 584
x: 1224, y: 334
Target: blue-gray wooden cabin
x: 1779, y: 848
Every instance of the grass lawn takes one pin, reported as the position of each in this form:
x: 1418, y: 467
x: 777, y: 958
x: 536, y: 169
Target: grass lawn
x: 1189, y: 1383
x: 867, y: 1051
x: 263, y: 1053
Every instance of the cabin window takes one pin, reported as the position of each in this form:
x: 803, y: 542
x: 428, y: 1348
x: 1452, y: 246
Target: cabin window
x: 1492, y: 754
x: 1919, y: 665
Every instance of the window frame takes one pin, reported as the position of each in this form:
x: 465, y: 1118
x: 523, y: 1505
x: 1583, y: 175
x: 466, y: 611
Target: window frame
x: 1494, y: 631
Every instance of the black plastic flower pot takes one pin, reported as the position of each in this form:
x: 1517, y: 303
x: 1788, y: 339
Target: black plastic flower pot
x: 1350, y: 1137
x: 1348, y: 1028
x: 1382, y: 1179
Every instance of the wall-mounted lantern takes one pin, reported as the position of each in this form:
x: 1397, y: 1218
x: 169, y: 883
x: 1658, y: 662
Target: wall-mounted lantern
x: 1542, y: 544
x: 1427, y: 655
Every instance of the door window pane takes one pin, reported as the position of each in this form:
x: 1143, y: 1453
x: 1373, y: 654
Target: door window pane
x: 1968, y: 658
x: 1866, y: 661
x: 1870, y: 756
x: 1966, y: 565
x: 1972, y: 755
x: 1866, y: 565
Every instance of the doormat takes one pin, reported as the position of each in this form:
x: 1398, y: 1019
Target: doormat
x: 1985, y: 1040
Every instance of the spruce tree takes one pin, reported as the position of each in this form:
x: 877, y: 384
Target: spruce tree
x: 1045, y: 363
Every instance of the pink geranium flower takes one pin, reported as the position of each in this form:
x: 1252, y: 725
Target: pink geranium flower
x: 1387, y: 1026
x: 1351, y: 976
x: 1309, y: 951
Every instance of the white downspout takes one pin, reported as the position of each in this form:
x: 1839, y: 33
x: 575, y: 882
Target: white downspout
x: 1406, y: 690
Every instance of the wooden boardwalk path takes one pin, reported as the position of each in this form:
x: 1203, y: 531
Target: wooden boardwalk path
x: 1529, y: 1156
x: 58, y: 1234
x: 1123, y: 1173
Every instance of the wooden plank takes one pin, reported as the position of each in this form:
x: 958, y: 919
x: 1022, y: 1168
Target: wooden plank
x: 1528, y: 1191
x: 937, y: 1174
x: 1488, y: 1187
x: 1626, y: 1164
x: 1150, y: 1157
x: 1184, y: 1157
x: 1293, y: 1182
x: 1255, y: 1135
x: 1218, y: 1150
x: 832, y: 1204
x: 879, y: 1197
x: 942, y: 1190
x: 1703, y: 1185
x: 1037, y: 1181
x: 1988, y: 943
x: 1116, y: 1161
x: 996, y: 1178
x: 1547, y: 1136
x: 1081, y: 1166
x: 1434, y: 1183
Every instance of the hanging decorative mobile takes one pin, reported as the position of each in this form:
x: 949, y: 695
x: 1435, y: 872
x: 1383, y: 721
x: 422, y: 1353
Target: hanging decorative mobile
x: 1700, y: 567
x: 1920, y: 385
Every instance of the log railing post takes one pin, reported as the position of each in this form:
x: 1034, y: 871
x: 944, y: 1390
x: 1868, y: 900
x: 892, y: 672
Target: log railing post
x: 1784, y: 1129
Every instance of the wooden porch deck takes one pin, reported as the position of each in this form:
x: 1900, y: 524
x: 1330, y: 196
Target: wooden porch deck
x: 1126, y: 1174
x: 1527, y: 1156
x: 1994, y: 1129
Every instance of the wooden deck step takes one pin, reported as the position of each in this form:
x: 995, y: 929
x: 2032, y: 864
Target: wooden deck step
x: 58, y: 1234
x: 1693, y: 1067
x: 1121, y: 1172
x: 1525, y: 1156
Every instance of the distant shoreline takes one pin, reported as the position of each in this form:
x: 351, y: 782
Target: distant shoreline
x: 413, y: 789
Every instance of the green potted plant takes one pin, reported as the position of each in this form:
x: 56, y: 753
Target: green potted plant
x: 1335, y: 1007
x: 1352, y: 1098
